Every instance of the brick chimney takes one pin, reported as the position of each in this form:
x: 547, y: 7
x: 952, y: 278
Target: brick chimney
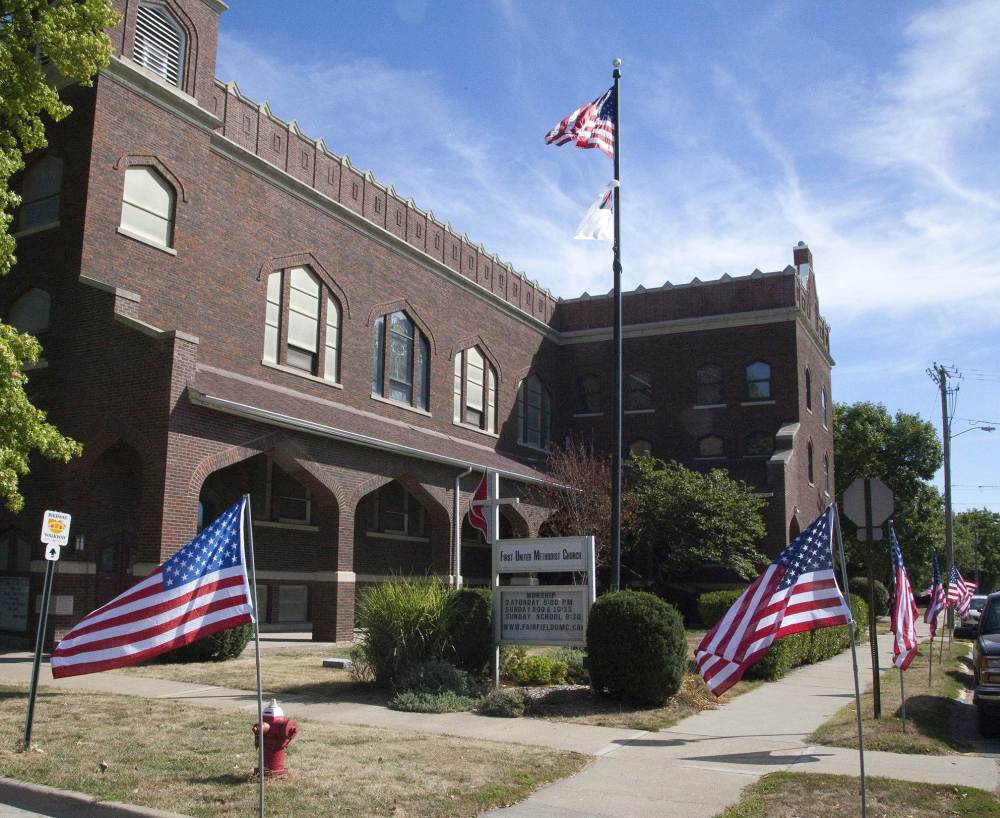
x: 803, y: 258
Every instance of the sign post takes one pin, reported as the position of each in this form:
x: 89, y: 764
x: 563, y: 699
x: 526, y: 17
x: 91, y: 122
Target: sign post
x: 868, y: 502
x: 55, y: 534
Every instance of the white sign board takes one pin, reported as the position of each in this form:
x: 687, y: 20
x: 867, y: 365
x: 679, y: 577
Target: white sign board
x: 55, y: 529
x: 542, y: 554
x: 52, y: 552
x: 544, y: 615
x: 854, y: 501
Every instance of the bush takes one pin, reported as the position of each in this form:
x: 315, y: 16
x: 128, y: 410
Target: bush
x: 412, y: 702
x: 576, y: 664
x: 402, y: 626
x: 503, y: 703
x: 859, y: 612
x: 433, y: 676
x: 712, y: 606
x: 859, y: 586
x: 520, y: 669
x: 468, y: 624
x: 636, y: 647
x: 361, y: 670
x: 218, y: 647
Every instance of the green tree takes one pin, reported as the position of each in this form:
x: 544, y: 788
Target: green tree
x: 71, y: 35
x: 977, y: 546
x: 904, y: 452
x: 688, y: 519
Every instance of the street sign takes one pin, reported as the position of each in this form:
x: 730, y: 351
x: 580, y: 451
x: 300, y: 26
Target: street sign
x: 881, y: 501
x: 52, y: 552
x: 55, y: 529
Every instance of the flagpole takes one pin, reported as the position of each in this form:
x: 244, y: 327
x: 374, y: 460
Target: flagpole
x: 854, y: 660
x: 248, y: 523
x: 616, y: 476
x: 930, y: 662
x: 902, y: 697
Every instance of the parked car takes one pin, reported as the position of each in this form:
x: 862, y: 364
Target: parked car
x: 966, y: 629
x: 986, y: 664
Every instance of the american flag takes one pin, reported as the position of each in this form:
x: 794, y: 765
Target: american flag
x: 200, y: 590
x: 904, y: 610
x: 591, y: 126
x: 937, y: 602
x: 797, y: 592
x: 960, y: 592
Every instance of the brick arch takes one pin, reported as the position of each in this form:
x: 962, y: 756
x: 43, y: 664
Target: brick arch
x: 131, y: 160
x: 306, y: 259
x: 228, y: 457
x: 402, y: 305
x: 98, y: 442
x: 477, y: 341
x: 436, y: 508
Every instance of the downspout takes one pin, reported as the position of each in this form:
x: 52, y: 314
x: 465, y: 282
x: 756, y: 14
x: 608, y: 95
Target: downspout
x: 457, y: 531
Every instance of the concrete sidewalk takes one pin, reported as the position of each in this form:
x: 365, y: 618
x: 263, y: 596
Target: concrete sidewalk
x: 696, y: 768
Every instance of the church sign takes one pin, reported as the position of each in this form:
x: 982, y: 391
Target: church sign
x: 544, y: 615
x: 543, y: 554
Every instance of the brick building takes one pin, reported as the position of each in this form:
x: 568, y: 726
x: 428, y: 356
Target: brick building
x: 227, y: 305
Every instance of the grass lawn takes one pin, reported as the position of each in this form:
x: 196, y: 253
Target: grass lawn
x: 812, y: 795
x: 198, y: 762
x: 930, y: 710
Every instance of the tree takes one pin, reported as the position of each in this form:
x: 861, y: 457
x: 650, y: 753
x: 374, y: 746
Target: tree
x: 904, y: 452
x: 71, y: 35
x: 687, y: 519
x: 977, y: 546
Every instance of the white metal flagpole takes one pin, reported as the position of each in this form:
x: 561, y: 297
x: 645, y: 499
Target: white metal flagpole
x: 248, y: 530
x: 854, y: 660
x: 902, y: 698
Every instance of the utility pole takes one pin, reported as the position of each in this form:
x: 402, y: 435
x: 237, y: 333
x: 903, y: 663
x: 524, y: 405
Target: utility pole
x: 940, y: 374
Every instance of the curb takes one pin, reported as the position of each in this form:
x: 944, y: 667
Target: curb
x: 50, y: 801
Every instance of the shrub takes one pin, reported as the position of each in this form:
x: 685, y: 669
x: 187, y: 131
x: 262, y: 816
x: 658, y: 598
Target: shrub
x: 859, y: 612
x: 218, y: 647
x: 636, y: 647
x: 712, y: 606
x: 520, y: 669
x: 433, y: 676
x: 402, y: 626
x: 468, y: 624
x: 412, y: 702
x: 361, y: 670
x: 576, y: 664
x: 782, y: 656
x: 859, y: 586
x: 503, y: 703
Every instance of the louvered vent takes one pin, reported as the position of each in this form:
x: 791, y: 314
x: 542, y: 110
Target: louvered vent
x: 159, y: 43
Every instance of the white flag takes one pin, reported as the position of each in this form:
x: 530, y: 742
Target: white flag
x: 598, y: 222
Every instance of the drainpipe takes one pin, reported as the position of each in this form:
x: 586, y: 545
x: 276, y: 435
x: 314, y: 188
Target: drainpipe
x: 457, y: 517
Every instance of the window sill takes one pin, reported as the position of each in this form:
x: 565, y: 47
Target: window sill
x: 588, y: 414
x: 170, y: 251
x: 385, y: 535
x: 758, y: 403
x: 41, y: 363
x: 531, y: 446
x: 757, y: 456
x: 38, y: 228
x: 401, y: 405
x: 639, y: 411
x: 709, y: 406
x: 286, y: 526
x: 291, y: 370
x: 472, y: 428
x: 714, y: 457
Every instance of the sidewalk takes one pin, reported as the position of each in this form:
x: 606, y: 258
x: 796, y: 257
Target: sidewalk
x: 696, y: 768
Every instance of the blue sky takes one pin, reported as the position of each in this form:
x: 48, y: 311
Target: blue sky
x: 868, y: 130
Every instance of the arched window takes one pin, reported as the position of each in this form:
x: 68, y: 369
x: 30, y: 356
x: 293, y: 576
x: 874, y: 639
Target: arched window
x: 30, y: 313
x: 823, y: 407
x: 758, y: 444
x: 709, y: 380
x: 533, y: 413
x: 475, y: 390
x: 809, y: 390
x: 148, y: 206
x: 588, y: 395
x: 311, y: 317
x: 638, y: 391
x: 40, y: 194
x: 826, y: 474
x: 401, y: 361
x: 640, y: 447
x: 711, y: 446
x: 159, y: 42
x: 758, y: 381
x: 809, y: 463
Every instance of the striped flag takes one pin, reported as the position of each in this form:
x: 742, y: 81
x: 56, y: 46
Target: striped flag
x: 904, y: 610
x: 959, y: 592
x: 200, y: 590
x: 797, y: 592
x: 591, y: 126
x: 937, y: 602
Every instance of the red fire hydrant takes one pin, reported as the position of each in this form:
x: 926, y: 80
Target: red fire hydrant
x: 278, y: 733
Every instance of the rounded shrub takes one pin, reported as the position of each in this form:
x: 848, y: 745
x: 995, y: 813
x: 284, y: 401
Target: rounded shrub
x: 712, y: 605
x: 467, y: 618
x: 411, y: 701
x: 636, y: 647
x: 859, y: 586
x: 218, y: 647
x: 507, y: 704
x: 433, y: 676
x: 517, y: 668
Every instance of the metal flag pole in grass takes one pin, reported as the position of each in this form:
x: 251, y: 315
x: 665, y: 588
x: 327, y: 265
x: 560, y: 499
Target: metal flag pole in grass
x: 902, y: 698
x: 248, y: 522
x: 854, y: 660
